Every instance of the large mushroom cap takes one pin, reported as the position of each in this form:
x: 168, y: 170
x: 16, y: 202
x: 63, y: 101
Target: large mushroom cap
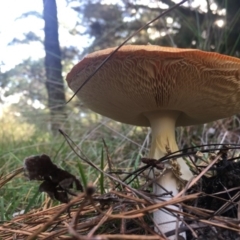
x: 136, y: 80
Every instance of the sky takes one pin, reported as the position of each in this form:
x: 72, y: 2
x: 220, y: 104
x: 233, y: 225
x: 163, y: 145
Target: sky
x: 12, y: 26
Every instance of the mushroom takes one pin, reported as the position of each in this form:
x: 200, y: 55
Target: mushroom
x: 163, y: 88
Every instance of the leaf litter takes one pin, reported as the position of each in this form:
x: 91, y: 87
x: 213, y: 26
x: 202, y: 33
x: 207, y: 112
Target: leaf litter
x: 210, y: 202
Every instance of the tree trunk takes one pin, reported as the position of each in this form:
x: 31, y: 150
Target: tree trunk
x: 53, y: 66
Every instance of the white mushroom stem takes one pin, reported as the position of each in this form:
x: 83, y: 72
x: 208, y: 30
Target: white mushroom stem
x: 163, y: 138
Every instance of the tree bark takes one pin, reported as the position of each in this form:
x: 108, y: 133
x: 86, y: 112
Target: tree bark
x: 53, y: 66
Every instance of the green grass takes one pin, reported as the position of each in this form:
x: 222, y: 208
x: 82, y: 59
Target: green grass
x: 21, y: 194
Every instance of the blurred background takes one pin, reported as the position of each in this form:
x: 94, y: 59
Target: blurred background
x: 41, y: 40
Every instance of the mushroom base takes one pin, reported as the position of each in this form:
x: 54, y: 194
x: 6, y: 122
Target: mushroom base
x: 166, y: 220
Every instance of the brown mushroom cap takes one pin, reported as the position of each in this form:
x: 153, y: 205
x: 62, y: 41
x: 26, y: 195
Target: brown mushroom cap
x: 136, y: 80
